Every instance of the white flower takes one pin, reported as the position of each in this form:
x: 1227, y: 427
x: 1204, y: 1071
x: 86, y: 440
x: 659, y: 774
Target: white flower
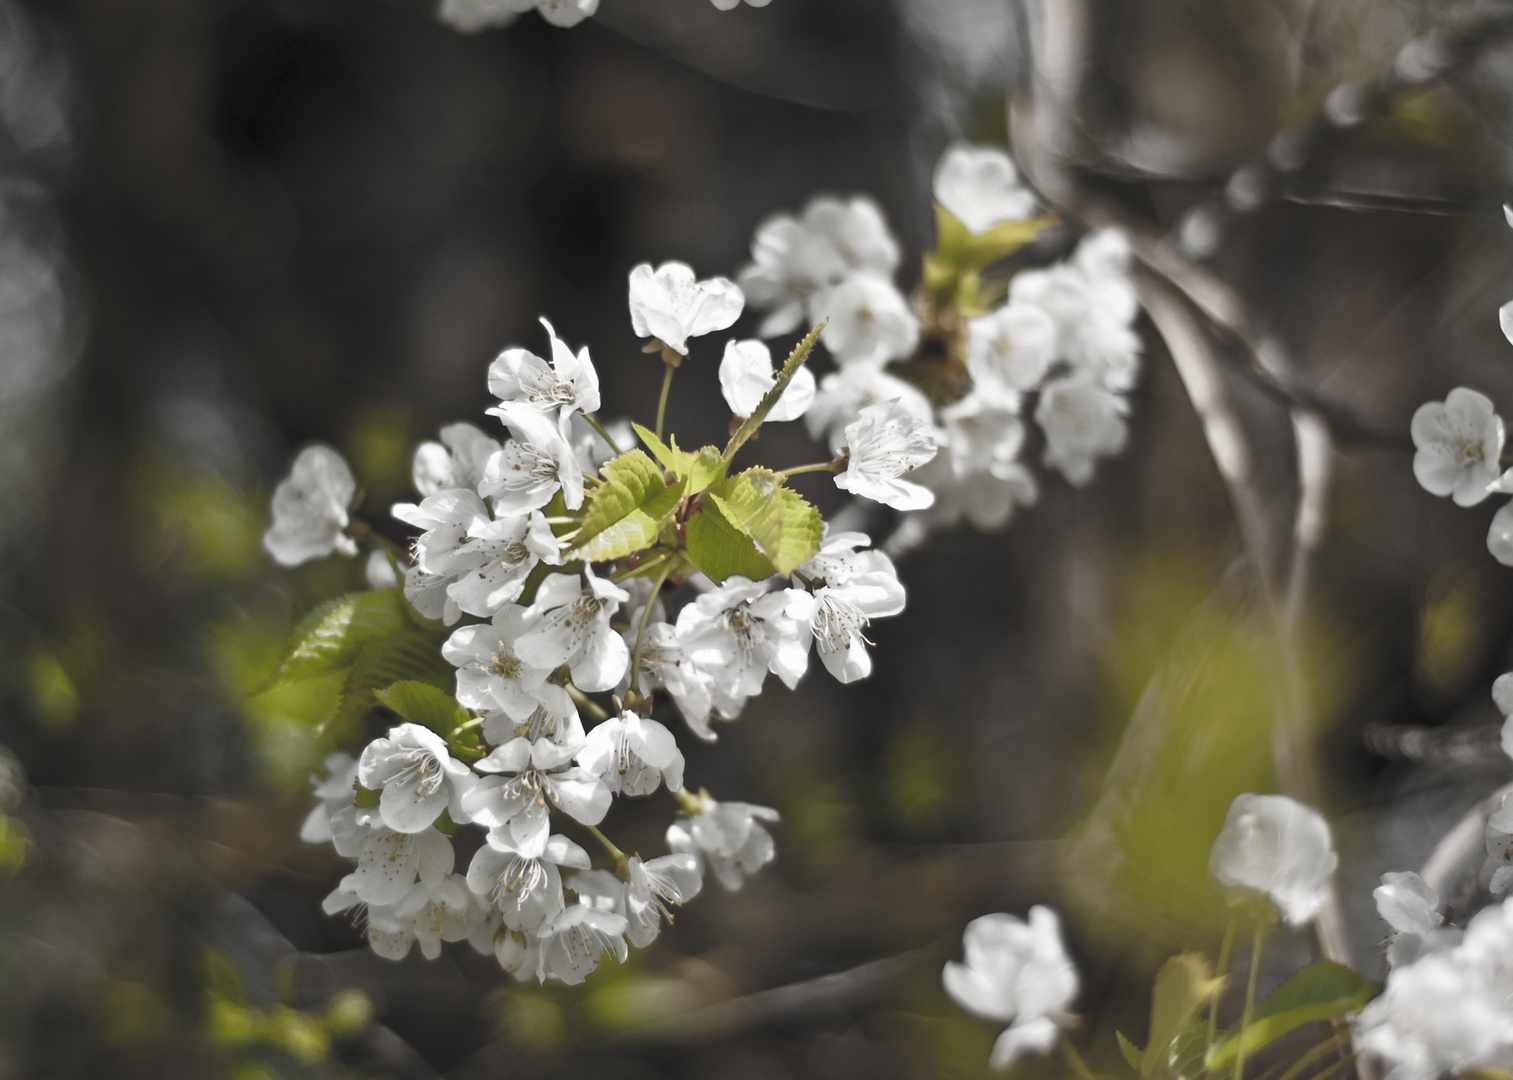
x: 490, y: 674
x: 573, y: 941
x: 980, y: 187
x: 1017, y: 973
x: 565, y: 385
x: 670, y: 304
x: 589, y: 445
x: 524, y: 882
x: 457, y: 461
x: 746, y: 375
x: 792, y: 258
x: 844, y: 394
x: 986, y: 480
x: 1407, y: 904
x: 838, y: 615
x: 739, y: 631
x: 632, y: 755
x: 446, y: 520
x: 870, y: 320
x: 334, y: 793
x: 533, y: 466
x: 429, y: 914
x: 419, y: 778
x: 1082, y: 422
x: 846, y: 555
x: 1499, y: 844
x: 1274, y: 845
x: 882, y: 444
x: 1449, y: 1011
x: 1500, y: 535
x: 531, y: 774
x: 670, y: 879
x: 570, y: 625
x: 471, y: 16
x: 728, y: 836
x: 378, y: 571
x: 1459, y: 445
x: 388, y: 861
x: 1502, y: 697
x: 497, y: 558
x: 1009, y: 351
x: 554, y: 717
x: 666, y: 666
x: 310, y: 509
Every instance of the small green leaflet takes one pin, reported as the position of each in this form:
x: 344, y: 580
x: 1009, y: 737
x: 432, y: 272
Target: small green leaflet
x: 784, y: 528
x: 627, y: 511
x: 721, y: 549
x: 962, y: 250
x: 702, y: 470
x: 1182, y: 986
x: 1319, y: 991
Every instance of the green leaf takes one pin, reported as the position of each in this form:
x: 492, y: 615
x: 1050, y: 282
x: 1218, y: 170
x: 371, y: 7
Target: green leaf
x: 721, y: 549
x: 628, y: 510
x: 785, y: 375
x: 1317, y: 992
x: 411, y: 654
x: 1182, y: 986
x: 958, y: 249
x: 366, y: 797
x: 1185, y: 1057
x: 331, y: 636
x: 1130, y: 1051
x: 221, y: 981
x: 702, y: 470
x: 784, y: 528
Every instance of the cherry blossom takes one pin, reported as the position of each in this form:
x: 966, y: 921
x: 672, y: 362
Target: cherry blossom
x: 669, y: 879
x: 670, y: 304
x: 471, y: 16
x: 1275, y: 846
x: 527, y: 776
x: 844, y: 394
x: 570, y: 625
x: 388, y: 861
x: 1459, y: 446
x: 524, y: 882
x: 573, y: 941
x: 565, y: 385
x: 870, y: 321
x: 883, y: 444
x: 741, y: 630
x: 419, y: 778
x: 336, y: 792
x: 1009, y: 351
x: 633, y: 755
x: 980, y: 187
x: 746, y: 376
x: 1083, y: 421
x: 457, y: 461
x: 534, y: 465
x: 310, y: 509
x: 490, y: 673
x: 496, y: 560
x: 728, y: 837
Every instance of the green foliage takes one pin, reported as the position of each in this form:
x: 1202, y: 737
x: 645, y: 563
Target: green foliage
x: 919, y: 779
x: 335, y: 633
x: 1183, y: 985
x: 426, y: 705
x: 409, y: 653
x: 246, y: 1033
x: 1319, y: 991
x: 959, y: 250
x: 702, y: 469
x: 785, y: 375
x: 720, y: 548
x: 626, y: 512
x: 784, y: 528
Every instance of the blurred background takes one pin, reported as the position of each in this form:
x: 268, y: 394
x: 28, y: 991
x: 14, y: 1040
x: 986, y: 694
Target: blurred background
x: 228, y: 227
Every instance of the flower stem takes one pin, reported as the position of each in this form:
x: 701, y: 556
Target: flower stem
x: 821, y: 466
x: 1250, y: 996
x: 1074, y: 1059
x: 1296, y: 1068
x: 1222, y: 972
x: 662, y: 401
x: 643, y: 568
x: 635, y: 654
x: 609, y: 845
x: 586, y: 703
x: 602, y: 433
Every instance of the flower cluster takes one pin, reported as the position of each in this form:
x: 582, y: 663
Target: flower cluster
x: 1059, y: 347
x: 547, y: 565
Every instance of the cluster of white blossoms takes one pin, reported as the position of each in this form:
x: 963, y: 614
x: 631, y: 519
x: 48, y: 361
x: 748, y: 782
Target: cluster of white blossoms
x: 560, y: 553
x: 1060, y: 348
x: 471, y: 16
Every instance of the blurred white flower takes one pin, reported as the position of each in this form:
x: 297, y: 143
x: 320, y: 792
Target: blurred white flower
x: 457, y: 461
x: 533, y: 466
x: 1082, y: 422
x: 728, y: 836
x: 980, y: 187
x: 746, y: 375
x: 1276, y: 846
x: 310, y: 509
x: 1459, y: 445
x: 570, y: 625
x: 731, y: 5
x: 1450, y: 1011
x: 379, y: 572
x: 565, y: 385
x: 1009, y: 351
x: 1407, y: 904
x: 471, y: 16
x: 334, y: 793
x: 632, y: 755
x: 844, y: 394
x: 418, y: 777
x: 1500, y: 535
x: 1502, y: 697
x: 672, y: 305
x: 883, y: 444
x: 871, y: 322
x: 845, y: 555
x: 665, y: 665
x: 983, y: 479
x: 1016, y: 973
x: 555, y: 717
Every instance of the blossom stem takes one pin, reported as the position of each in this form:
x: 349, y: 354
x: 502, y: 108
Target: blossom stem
x: 1222, y: 972
x: 602, y: 433
x: 1074, y: 1059
x: 609, y: 845
x: 662, y: 401
x: 1309, y: 1057
x: 586, y: 703
x: 635, y: 654
x: 1250, y: 996
x: 644, y: 568
x: 821, y: 466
